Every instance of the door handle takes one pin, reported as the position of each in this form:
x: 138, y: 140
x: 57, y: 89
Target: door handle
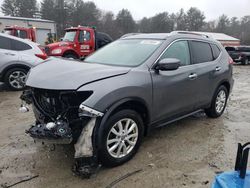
x: 9, y: 54
x: 217, y: 69
x: 192, y: 76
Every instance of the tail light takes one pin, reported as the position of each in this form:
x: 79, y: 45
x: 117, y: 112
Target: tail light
x: 230, y: 61
x: 42, y: 56
x: 42, y: 48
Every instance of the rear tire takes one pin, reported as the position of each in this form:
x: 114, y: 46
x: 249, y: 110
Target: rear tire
x: 126, y: 144
x: 15, y: 78
x: 218, y: 103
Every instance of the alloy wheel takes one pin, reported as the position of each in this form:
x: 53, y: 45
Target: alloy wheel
x: 17, y: 79
x: 220, y: 101
x: 122, y: 138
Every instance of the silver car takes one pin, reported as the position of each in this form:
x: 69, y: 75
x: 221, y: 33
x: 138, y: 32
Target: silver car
x: 17, y: 57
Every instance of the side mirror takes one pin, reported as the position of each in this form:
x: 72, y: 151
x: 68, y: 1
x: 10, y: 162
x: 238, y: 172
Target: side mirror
x: 168, y: 64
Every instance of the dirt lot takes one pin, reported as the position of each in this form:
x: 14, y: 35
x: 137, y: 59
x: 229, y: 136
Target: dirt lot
x: 185, y: 154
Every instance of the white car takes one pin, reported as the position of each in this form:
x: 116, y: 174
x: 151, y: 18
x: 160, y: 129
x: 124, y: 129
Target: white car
x: 17, y: 56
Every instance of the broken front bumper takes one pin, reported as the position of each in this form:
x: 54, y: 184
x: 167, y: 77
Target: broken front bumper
x: 57, y: 132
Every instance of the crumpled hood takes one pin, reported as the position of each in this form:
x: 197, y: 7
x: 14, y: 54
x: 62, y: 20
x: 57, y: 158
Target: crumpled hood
x: 65, y: 74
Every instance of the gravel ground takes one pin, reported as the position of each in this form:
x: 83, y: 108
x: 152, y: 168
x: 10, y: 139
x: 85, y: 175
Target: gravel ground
x: 187, y: 153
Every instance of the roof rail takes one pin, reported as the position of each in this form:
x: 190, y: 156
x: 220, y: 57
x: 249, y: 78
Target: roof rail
x: 190, y: 33
x: 129, y: 34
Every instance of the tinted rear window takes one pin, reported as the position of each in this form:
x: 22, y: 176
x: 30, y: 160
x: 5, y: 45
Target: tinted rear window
x: 5, y: 43
x: 216, y: 51
x: 201, y: 52
x: 19, y: 46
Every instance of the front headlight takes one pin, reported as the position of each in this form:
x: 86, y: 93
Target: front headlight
x: 85, y: 111
x: 56, y: 51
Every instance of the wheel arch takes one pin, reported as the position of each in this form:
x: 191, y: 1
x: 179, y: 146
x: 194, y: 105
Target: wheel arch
x: 6, y: 69
x: 225, y: 83
x: 132, y: 103
x: 135, y: 104
x: 70, y: 51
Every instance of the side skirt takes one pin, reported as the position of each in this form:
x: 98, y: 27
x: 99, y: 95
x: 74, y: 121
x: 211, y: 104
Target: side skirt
x: 164, y: 123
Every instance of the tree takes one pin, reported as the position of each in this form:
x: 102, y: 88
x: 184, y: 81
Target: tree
x: 48, y: 10
x: 180, y: 21
x: 83, y: 13
x: 223, y: 24
x: 234, y: 27
x: 194, y: 19
x: 144, y: 25
x: 27, y: 8
x: 162, y: 23
x: 125, y: 22
x: 56, y: 10
x: 9, y: 8
x: 107, y: 24
x: 245, y: 30
x: 20, y: 8
x: 209, y: 26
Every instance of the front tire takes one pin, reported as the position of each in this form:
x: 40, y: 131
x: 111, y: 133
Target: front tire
x: 15, y: 78
x: 71, y: 56
x: 121, y: 138
x: 219, y: 103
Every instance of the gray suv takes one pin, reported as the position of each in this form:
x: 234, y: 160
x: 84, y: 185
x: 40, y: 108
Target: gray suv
x: 107, y: 104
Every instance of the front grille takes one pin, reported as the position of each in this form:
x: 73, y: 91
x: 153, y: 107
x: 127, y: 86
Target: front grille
x: 54, y: 103
x: 48, y: 101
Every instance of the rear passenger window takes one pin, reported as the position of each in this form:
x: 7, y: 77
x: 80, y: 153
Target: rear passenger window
x: 178, y: 50
x: 216, y: 51
x: 19, y: 46
x: 5, y: 43
x: 201, y: 52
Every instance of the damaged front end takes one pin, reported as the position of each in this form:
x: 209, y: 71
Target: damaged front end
x: 62, y: 118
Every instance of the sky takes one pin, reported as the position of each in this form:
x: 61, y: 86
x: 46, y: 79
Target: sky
x: 147, y: 8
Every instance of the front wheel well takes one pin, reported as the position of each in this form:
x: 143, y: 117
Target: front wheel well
x: 137, y: 106
x: 70, y: 52
x: 14, y: 66
x: 227, y: 85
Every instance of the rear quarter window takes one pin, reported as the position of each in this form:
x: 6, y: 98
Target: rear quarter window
x: 19, y: 46
x: 5, y: 43
x: 201, y: 52
x: 216, y: 51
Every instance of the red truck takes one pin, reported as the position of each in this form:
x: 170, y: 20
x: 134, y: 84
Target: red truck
x: 78, y: 42
x: 21, y: 32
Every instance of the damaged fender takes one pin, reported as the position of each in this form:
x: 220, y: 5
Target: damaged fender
x: 84, y: 145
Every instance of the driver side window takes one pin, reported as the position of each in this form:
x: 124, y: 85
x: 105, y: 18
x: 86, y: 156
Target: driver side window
x: 178, y: 50
x: 84, y: 36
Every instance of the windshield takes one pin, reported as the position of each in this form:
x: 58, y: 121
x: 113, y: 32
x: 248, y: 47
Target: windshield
x: 69, y: 36
x: 131, y: 52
